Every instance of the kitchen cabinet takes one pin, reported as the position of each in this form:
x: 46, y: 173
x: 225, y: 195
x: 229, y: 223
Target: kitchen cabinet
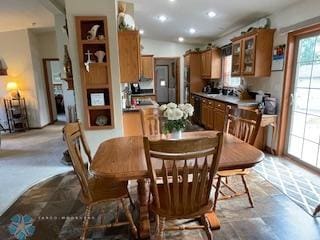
x: 252, y: 53
x: 147, y: 66
x: 219, y: 120
x: 192, y: 66
x: 211, y: 64
x: 210, y: 118
x: 132, y: 125
x: 129, y: 56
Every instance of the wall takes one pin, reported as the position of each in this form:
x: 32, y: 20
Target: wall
x: 62, y: 39
x: 168, y: 49
x: 291, y: 15
x: 15, y: 49
x: 96, y: 8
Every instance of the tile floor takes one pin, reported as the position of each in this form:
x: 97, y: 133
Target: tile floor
x: 274, y: 216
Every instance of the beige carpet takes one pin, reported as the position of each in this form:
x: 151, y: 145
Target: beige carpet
x: 27, y: 158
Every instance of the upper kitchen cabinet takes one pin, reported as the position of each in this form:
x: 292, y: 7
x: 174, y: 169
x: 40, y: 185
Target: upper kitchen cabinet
x: 252, y: 53
x: 147, y: 66
x: 211, y: 64
x: 129, y: 56
x: 192, y: 67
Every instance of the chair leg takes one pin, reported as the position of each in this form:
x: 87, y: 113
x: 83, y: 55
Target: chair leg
x: 207, y: 227
x: 247, y: 190
x: 131, y: 201
x: 130, y: 219
x: 216, y: 195
x: 160, y: 227
x: 86, y: 222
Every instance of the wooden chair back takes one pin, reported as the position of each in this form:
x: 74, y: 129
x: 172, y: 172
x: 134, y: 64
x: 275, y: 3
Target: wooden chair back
x: 74, y: 135
x: 243, y: 124
x: 150, y: 119
x: 183, y: 185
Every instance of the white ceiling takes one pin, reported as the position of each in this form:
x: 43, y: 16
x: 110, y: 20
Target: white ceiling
x: 184, y: 14
x: 20, y: 14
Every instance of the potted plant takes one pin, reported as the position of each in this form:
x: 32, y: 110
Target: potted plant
x: 176, y: 118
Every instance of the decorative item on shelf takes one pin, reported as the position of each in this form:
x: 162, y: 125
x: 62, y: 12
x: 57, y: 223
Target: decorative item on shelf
x: 3, y: 67
x: 209, y: 46
x: 97, y: 99
x: 125, y: 21
x: 101, y: 37
x: 92, y: 34
x: 87, y: 63
x: 12, y: 87
x: 102, y: 120
x: 176, y: 118
x: 100, y: 55
x: 270, y: 105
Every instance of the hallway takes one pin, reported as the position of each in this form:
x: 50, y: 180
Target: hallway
x: 27, y: 158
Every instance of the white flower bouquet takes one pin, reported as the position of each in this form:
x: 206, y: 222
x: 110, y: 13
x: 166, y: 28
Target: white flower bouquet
x: 177, y: 116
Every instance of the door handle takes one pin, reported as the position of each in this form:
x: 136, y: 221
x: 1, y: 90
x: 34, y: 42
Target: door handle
x: 291, y: 99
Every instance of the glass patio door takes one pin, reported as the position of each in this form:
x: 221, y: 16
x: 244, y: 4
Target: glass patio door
x: 304, y: 132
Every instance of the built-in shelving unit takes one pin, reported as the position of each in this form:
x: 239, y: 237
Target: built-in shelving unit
x: 96, y: 80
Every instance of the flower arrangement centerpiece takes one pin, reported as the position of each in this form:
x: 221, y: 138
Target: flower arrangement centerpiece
x: 177, y: 117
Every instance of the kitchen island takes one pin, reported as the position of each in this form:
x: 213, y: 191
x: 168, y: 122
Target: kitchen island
x: 132, y: 125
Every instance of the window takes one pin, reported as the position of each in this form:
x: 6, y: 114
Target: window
x: 228, y: 81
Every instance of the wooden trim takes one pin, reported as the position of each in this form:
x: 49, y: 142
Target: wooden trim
x: 46, y: 80
x: 287, y: 83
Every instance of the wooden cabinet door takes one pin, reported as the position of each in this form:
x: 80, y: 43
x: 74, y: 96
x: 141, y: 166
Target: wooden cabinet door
x: 219, y: 118
x: 236, y: 58
x: 248, y: 55
x: 147, y: 66
x: 210, y: 115
x: 129, y: 56
x: 215, y: 64
x: 204, y: 112
x: 203, y: 64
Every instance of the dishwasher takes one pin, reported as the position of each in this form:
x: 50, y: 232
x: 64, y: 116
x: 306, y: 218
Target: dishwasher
x: 197, y: 110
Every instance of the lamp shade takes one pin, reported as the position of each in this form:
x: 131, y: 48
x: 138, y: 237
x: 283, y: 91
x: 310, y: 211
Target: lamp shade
x: 12, y: 86
x: 3, y: 67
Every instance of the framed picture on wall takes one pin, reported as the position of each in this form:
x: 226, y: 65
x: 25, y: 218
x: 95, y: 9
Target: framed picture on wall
x: 278, y: 58
x: 97, y: 99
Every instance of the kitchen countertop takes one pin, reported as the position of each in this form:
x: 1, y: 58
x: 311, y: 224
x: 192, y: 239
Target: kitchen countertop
x: 138, y: 107
x: 143, y: 94
x: 228, y: 99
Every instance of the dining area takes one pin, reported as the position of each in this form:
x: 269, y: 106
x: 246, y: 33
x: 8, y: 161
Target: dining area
x: 177, y: 178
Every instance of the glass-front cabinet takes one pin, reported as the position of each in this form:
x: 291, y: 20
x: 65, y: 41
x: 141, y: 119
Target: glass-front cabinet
x: 252, y: 53
x: 249, y: 50
x: 236, y: 58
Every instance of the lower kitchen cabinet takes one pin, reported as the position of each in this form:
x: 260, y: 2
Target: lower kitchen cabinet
x: 219, y: 120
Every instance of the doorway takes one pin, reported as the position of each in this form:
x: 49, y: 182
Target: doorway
x: 52, y: 75
x: 167, y: 80
x: 303, y: 137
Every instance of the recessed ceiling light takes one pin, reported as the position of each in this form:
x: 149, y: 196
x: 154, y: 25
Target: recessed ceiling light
x: 181, y: 39
x: 172, y: 0
x: 211, y: 14
x: 192, y: 30
x: 141, y: 31
x: 162, y: 18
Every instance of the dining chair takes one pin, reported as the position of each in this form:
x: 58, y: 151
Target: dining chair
x: 181, y: 185
x: 94, y: 189
x: 243, y: 124
x: 150, y: 120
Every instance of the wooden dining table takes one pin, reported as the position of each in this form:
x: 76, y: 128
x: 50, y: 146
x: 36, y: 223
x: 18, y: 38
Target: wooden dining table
x: 123, y: 159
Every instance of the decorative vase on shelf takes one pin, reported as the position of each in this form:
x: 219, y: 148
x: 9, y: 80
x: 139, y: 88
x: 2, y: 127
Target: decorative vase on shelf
x: 100, y: 55
x: 176, y: 118
x: 92, y: 34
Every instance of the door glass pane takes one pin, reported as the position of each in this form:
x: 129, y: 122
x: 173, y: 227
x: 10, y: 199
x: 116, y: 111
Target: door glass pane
x: 301, y: 99
x: 312, y: 131
x: 298, y: 122
x: 314, y: 102
x: 304, y: 133
x: 306, y: 49
x: 315, y: 80
x: 303, y: 75
x: 310, y: 152
x: 295, y: 146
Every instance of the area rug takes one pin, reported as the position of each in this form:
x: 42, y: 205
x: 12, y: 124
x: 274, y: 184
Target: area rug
x: 297, y: 187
